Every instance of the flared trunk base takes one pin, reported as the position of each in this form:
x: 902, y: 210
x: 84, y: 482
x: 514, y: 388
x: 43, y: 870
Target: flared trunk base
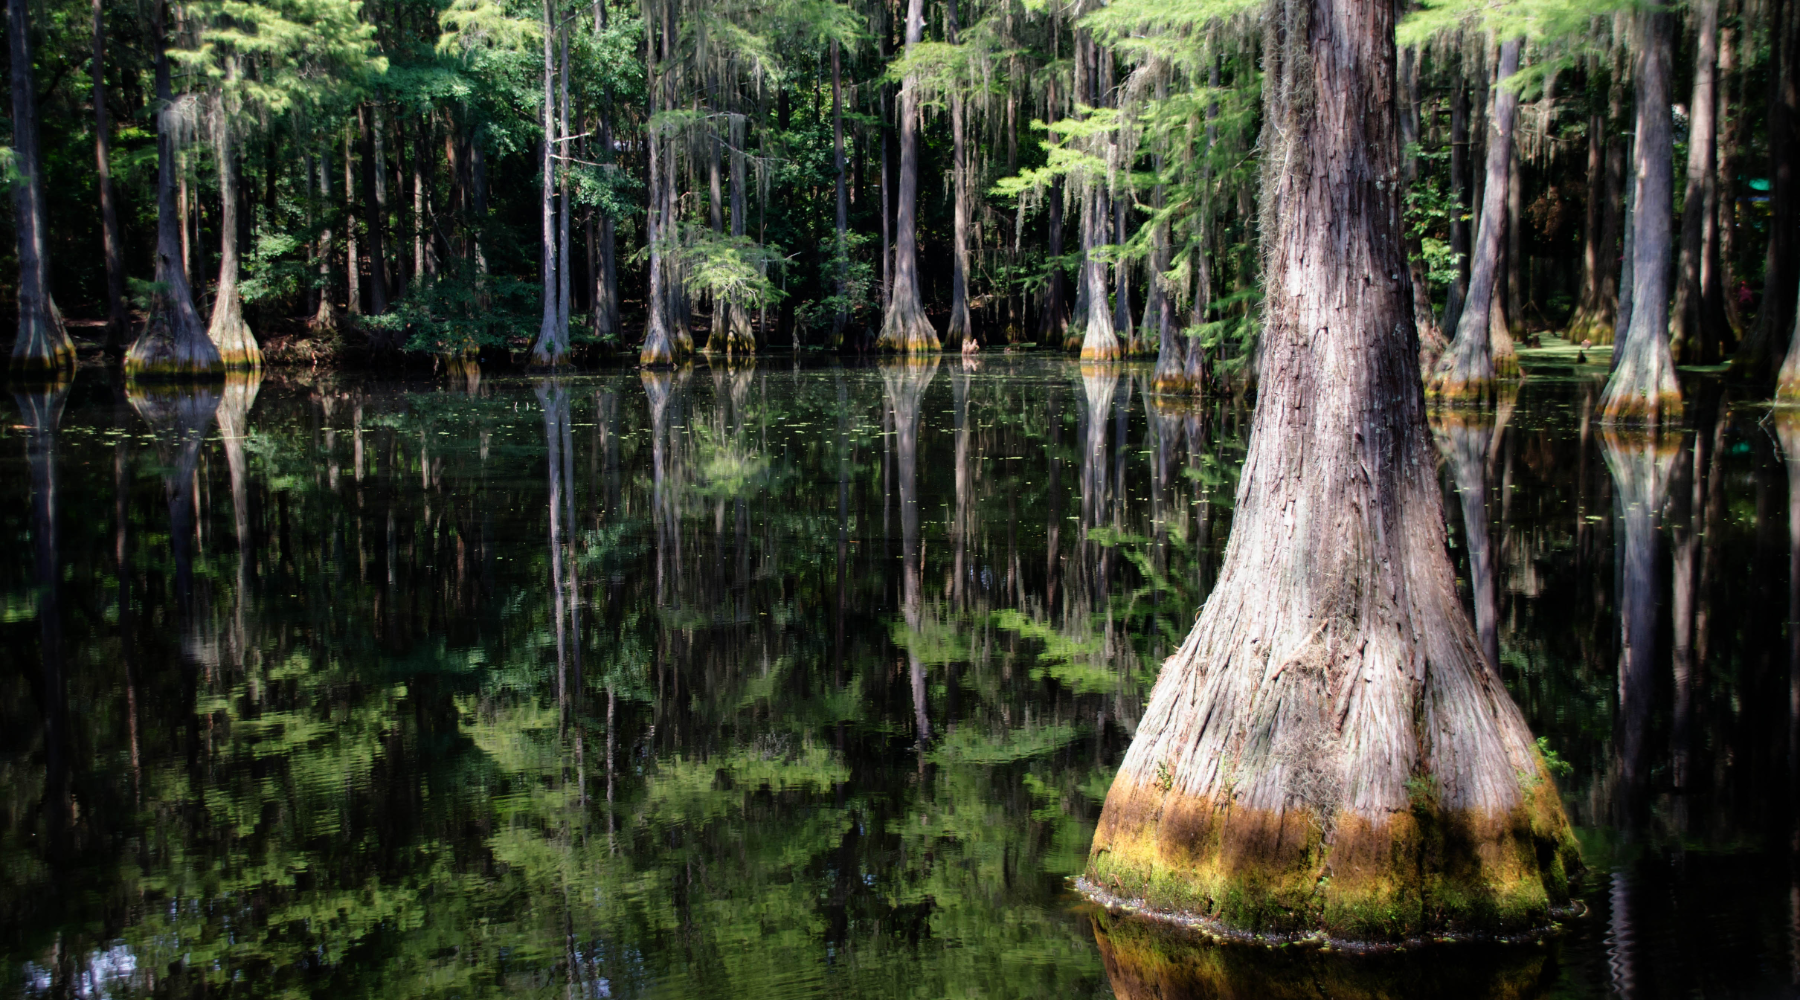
x: 906, y: 330
x: 1423, y: 873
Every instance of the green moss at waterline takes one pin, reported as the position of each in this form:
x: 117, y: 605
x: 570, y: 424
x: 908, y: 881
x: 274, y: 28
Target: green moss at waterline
x: 1421, y: 876
x: 51, y: 366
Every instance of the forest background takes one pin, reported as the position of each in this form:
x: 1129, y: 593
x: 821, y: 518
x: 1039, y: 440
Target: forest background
x: 342, y: 180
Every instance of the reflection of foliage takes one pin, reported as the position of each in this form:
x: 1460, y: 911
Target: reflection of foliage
x: 399, y: 789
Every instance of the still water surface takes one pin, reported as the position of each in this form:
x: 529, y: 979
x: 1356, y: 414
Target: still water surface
x: 794, y: 680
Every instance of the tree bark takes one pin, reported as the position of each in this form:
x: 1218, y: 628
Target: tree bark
x: 960, y: 330
x: 905, y: 327
x: 606, y: 292
x: 1698, y: 327
x: 352, y: 270
x: 174, y: 343
x: 43, y: 347
x: 1329, y: 749
x: 551, y: 350
x: 374, y: 209
x: 324, y: 318
x: 1053, y: 322
x: 118, y: 324
x: 842, y: 246
x: 740, y: 337
x: 1642, y: 386
x: 658, y: 348
x: 229, y: 333
x: 1466, y: 372
x: 1589, y: 310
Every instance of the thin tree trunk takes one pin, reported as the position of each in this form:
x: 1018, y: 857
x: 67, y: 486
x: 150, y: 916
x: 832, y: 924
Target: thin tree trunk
x: 905, y: 327
x: 324, y: 319
x: 1431, y: 336
x: 563, y: 257
x: 1054, y: 322
x: 228, y: 331
x: 43, y: 347
x: 842, y: 249
x: 174, y: 343
x: 1459, y: 198
x: 118, y: 324
x: 1642, y: 386
x: 374, y: 208
x: 715, y: 341
x: 1332, y: 705
x: 658, y: 348
x: 1698, y: 327
x: 352, y: 265
x: 740, y: 338
x: 960, y: 331
x: 1466, y: 371
x: 606, y: 294
x: 551, y: 350
x: 1588, y: 309
x: 1515, y: 256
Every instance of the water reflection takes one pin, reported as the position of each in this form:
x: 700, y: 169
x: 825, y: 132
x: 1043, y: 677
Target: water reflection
x: 754, y: 680
x: 1148, y: 961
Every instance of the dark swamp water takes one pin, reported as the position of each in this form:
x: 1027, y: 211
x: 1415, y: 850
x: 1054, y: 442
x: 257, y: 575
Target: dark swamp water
x: 795, y: 681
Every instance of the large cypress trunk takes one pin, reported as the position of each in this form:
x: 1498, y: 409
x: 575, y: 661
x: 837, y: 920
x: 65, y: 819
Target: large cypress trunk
x: 1466, y: 371
x: 1329, y: 750
x: 1642, y: 385
x: 118, y: 325
x: 174, y: 343
x: 228, y: 331
x: 43, y: 347
x: 905, y: 327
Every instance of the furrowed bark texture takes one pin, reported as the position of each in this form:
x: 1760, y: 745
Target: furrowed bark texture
x: 1642, y: 386
x: 905, y: 327
x: 174, y: 343
x: 43, y: 346
x: 1329, y: 750
x: 1466, y: 371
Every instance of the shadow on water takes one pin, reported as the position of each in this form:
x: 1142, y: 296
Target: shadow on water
x: 788, y: 680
